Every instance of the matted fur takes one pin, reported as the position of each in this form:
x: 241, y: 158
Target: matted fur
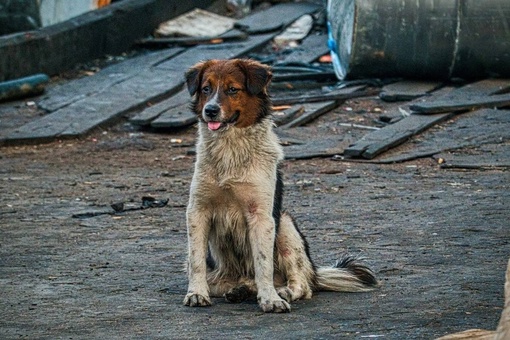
x: 236, y: 248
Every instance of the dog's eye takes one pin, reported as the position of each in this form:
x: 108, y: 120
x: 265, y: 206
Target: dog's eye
x: 232, y: 90
x: 206, y: 89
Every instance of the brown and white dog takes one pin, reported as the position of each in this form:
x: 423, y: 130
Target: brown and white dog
x: 241, y: 243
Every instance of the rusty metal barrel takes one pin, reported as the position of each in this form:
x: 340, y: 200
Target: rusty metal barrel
x: 427, y: 39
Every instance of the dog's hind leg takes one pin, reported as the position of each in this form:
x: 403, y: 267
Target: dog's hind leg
x: 293, y: 262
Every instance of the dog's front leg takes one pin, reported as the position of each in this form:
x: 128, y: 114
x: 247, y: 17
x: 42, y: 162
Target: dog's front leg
x: 198, y: 233
x: 262, y: 238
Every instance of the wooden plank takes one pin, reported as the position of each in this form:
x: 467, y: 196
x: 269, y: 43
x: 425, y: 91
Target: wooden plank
x: 440, y: 106
x: 490, y: 156
x: 176, y: 117
x: 297, y: 31
x: 302, y: 142
x: 310, y: 49
x: 407, y: 90
x: 80, y: 117
x: 84, y: 115
x: 221, y: 51
x: 390, y: 136
x: 484, y: 87
x: 152, y: 112
x: 311, y: 111
x: 233, y: 35
x: 283, y: 117
x: 62, y: 95
x: 472, y: 129
x: 275, y: 17
x: 342, y: 94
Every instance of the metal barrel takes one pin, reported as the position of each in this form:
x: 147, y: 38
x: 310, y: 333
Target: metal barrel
x: 434, y: 39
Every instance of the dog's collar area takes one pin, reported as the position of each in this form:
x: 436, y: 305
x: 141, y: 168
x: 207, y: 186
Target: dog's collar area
x: 214, y: 125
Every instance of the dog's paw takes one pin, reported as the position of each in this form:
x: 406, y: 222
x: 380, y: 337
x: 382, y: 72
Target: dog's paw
x: 292, y: 293
x: 274, y: 306
x: 238, y: 294
x: 285, y: 293
x: 196, y: 300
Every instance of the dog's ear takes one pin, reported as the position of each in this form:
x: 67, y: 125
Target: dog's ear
x: 257, y: 75
x: 194, y: 76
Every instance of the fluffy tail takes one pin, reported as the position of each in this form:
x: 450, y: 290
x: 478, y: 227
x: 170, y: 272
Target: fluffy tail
x: 347, y: 275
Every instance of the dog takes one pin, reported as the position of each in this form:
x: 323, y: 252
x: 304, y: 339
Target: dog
x: 241, y: 243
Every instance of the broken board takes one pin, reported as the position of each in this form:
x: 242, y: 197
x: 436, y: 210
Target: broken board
x: 440, y: 106
x: 337, y: 95
x: 176, y: 117
x: 472, y: 129
x: 311, y: 111
x: 390, y: 136
x: 285, y: 116
x: 311, y: 48
x: 407, y: 90
x: 297, y: 31
x: 275, y: 17
x: 488, y: 156
x: 152, y: 112
x: 196, y: 23
x: 155, y: 84
x: 302, y: 142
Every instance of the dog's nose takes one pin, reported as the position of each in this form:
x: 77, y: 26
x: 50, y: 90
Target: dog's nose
x: 211, y: 110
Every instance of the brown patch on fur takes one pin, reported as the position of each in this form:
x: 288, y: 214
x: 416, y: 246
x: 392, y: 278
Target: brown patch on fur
x: 252, y: 207
x: 239, y: 86
x: 281, y: 246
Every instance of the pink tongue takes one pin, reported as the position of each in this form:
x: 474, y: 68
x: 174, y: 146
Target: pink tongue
x: 213, y: 125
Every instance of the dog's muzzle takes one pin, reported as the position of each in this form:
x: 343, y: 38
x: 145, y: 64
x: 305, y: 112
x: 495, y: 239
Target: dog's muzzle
x: 211, y: 113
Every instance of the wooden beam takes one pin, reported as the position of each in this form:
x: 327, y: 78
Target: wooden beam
x: 440, y: 106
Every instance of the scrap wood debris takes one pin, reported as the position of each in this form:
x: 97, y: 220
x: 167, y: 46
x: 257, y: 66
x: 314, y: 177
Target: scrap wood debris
x: 307, y: 87
x: 121, y: 207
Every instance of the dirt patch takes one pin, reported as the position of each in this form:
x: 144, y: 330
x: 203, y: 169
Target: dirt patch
x: 437, y: 239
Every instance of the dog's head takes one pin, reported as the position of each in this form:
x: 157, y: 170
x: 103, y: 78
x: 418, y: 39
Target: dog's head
x: 229, y: 92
